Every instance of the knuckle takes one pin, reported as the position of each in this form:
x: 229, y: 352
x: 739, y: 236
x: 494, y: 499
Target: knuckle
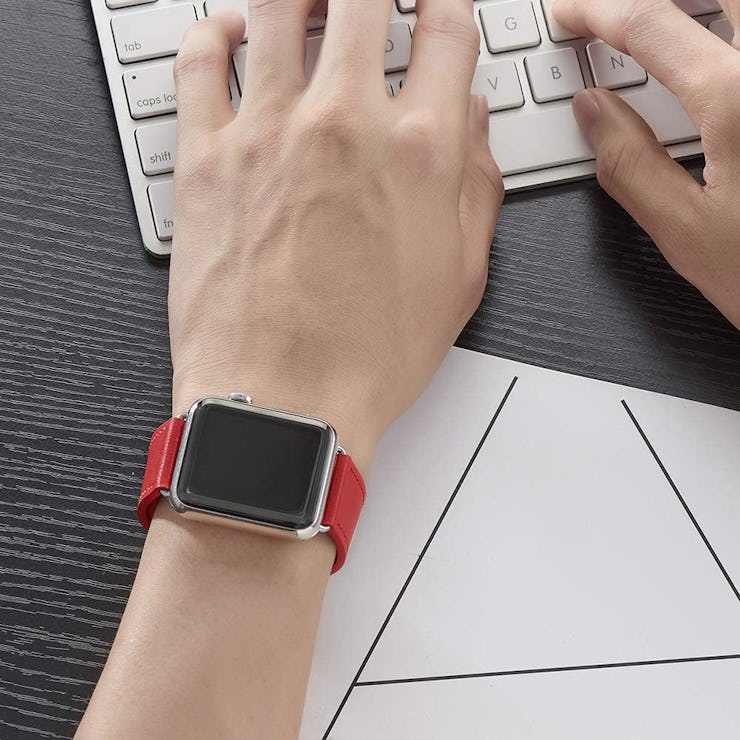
x: 459, y: 29
x: 416, y: 138
x: 615, y: 164
x: 334, y: 124
x: 637, y: 19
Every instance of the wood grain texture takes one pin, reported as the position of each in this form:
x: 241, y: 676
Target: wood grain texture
x: 84, y: 364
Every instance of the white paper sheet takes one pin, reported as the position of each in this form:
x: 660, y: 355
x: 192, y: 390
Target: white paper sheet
x: 566, y: 546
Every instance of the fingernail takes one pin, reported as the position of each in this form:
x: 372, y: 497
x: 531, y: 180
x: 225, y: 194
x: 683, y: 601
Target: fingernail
x: 483, y: 115
x: 586, y: 111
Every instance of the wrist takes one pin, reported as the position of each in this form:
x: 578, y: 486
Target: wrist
x: 358, y: 431
x: 212, y: 553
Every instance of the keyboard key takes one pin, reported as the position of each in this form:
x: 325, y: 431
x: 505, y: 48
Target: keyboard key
x: 151, y: 90
x: 398, y: 47
x: 162, y: 202
x: 150, y: 34
x: 661, y: 109
x: 611, y: 69
x: 114, y: 4
x: 554, y: 75
x: 723, y: 29
x: 527, y: 136
x: 698, y: 7
x: 535, y: 141
x: 315, y: 23
x: 510, y: 25
x: 550, y: 136
x: 240, y: 65
x: 212, y: 7
x: 313, y: 48
x: 556, y: 31
x: 157, y: 144
x: 499, y: 82
x: 394, y: 83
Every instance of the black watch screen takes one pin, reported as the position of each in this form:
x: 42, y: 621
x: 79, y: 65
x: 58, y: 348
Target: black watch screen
x: 245, y: 462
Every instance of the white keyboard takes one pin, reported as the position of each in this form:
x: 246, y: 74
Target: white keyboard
x: 529, y: 69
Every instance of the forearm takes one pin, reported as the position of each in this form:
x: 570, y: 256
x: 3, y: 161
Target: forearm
x: 217, y: 637
x: 330, y: 282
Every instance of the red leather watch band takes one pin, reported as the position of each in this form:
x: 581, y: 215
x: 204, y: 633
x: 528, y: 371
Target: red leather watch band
x: 343, y: 506
x: 160, y: 465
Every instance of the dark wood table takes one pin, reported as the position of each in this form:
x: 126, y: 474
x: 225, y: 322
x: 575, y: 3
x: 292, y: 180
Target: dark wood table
x: 84, y: 363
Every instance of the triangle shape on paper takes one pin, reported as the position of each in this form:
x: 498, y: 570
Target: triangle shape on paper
x: 565, y: 546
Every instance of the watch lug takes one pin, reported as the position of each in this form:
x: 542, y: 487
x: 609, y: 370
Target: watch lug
x: 240, y: 398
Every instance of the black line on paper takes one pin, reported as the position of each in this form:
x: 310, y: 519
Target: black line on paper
x: 420, y: 558
x: 557, y: 669
x: 681, y: 500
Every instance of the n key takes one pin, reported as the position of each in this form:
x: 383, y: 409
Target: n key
x: 611, y: 68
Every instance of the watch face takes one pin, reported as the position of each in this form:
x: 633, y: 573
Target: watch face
x: 245, y: 462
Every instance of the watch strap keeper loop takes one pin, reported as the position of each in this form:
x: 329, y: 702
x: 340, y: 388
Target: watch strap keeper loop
x: 343, y: 506
x: 160, y: 466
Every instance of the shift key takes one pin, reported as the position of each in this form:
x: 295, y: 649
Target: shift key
x: 157, y: 144
x: 151, y: 90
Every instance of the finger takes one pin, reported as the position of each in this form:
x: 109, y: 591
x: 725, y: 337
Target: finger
x: 443, y: 57
x: 202, y: 72
x: 482, y: 190
x: 639, y: 174
x: 354, y: 44
x: 678, y: 51
x: 731, y: 9
x: 276, y: 51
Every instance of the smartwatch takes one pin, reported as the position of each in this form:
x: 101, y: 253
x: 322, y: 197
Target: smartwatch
x: 230, y: 461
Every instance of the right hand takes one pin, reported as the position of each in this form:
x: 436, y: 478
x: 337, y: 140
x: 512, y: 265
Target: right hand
x: 696, y: 227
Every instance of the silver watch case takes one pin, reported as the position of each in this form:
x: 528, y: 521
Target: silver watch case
x: 244, y: 403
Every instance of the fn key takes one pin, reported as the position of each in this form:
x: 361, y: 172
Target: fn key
x: 162, y: 201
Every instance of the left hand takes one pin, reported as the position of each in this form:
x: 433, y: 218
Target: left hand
x: 331, y: 241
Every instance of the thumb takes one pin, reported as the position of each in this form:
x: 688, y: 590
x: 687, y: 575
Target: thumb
x: 637, y: 171
x: 482, y: 191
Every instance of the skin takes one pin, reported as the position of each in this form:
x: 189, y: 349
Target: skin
x: 696, y: 227
x: 331, y: 242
